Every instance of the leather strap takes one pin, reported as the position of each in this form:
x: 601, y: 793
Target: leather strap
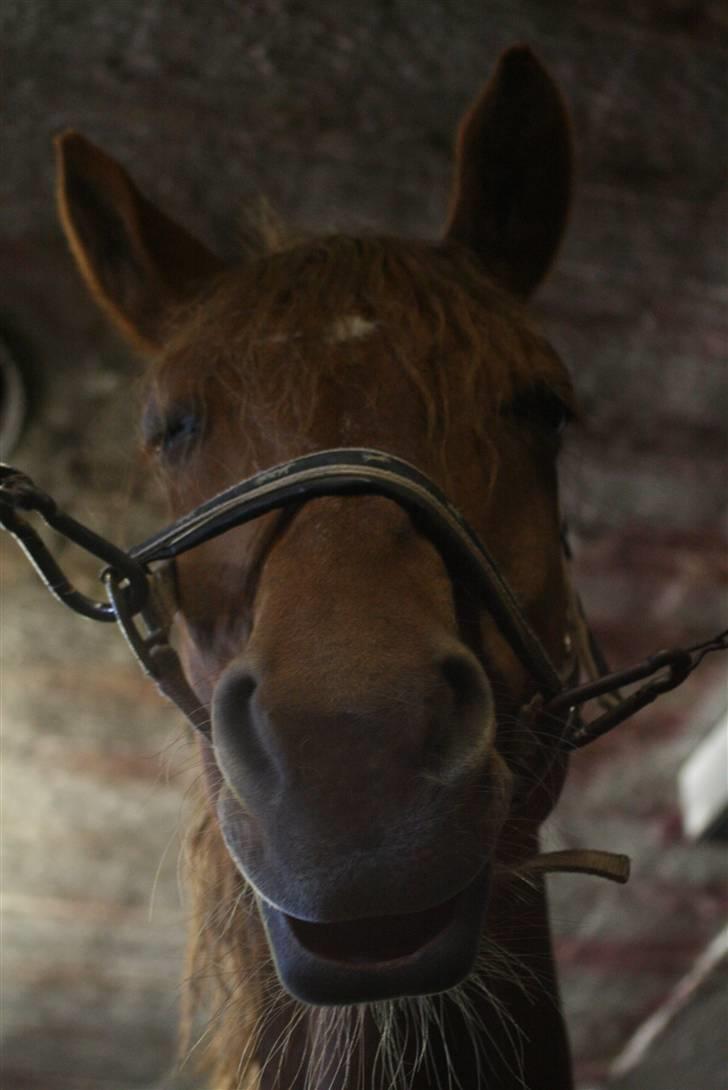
x: 601, y: 864
x: 357, y: 471
x: 142, y: 597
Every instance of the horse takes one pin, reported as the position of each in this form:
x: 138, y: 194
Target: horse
x: 365, y: 915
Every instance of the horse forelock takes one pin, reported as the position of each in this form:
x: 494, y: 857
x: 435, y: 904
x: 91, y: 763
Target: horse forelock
x: 279, y: 334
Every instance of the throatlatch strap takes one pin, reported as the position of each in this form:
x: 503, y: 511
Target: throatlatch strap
x: 601, y: 864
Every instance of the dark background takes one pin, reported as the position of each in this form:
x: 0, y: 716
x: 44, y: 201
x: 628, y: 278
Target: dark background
x: 342, y: 114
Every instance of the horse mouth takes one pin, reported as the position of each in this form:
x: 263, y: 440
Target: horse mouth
x: 376, y: 958
x: 373, y: 941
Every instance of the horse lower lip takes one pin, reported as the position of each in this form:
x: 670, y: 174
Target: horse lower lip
x: 375, y: 939
x: 378, y: 958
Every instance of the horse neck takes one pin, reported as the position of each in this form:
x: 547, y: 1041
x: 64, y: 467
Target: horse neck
x: 513, y: 1037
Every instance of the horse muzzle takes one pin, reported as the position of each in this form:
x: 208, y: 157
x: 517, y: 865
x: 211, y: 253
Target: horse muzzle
x: 380, y: 957
x: 348, y: 922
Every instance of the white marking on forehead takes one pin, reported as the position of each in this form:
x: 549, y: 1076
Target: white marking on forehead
x: 279, y: 338
x: 350, y: 328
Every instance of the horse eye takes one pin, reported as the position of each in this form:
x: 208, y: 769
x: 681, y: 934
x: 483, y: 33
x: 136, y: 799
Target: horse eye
x: 540, y: 407
x: 170, y: 434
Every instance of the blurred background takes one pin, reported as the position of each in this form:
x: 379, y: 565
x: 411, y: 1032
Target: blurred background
x: 342, y: 115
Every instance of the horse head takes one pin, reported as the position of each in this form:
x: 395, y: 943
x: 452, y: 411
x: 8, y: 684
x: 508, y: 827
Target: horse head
x: 367, y: 766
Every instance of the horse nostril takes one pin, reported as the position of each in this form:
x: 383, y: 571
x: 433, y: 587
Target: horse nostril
x: 461, y: 726
x: 238, y: 733
x: 463, y: 677
x: 233, y: 692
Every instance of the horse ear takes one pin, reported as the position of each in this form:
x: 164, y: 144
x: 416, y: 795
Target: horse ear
x: 136, y: 262
x: 513, y: 173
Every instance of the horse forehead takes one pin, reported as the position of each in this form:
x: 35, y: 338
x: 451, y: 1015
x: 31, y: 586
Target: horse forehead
x: 350, y: 327
x: 347, y: 327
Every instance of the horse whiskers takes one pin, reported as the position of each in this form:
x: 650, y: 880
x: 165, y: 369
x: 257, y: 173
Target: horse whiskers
x: 515, y: 969
x: 334, y: 1038
x: 280, y: 1046
x: 497, y: 963
x: 332, y: 1044
x: 514, y: 1038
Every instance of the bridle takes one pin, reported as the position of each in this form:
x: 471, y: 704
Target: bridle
x: 141, y: 590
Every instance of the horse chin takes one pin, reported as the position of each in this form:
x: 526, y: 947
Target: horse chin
x: 379, y: 958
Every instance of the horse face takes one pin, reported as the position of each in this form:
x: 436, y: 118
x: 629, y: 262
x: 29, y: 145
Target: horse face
x: 358, y: 774
x: 354, y: 735
x: 363, y: 760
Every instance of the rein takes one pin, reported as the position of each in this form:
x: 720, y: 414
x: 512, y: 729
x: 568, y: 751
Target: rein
x: 142, y: 596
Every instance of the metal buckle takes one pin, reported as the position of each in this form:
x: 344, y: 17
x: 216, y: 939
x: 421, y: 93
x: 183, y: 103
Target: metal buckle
x: 153, y: 651
x: 678, y: 663
x: 18, y: 492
